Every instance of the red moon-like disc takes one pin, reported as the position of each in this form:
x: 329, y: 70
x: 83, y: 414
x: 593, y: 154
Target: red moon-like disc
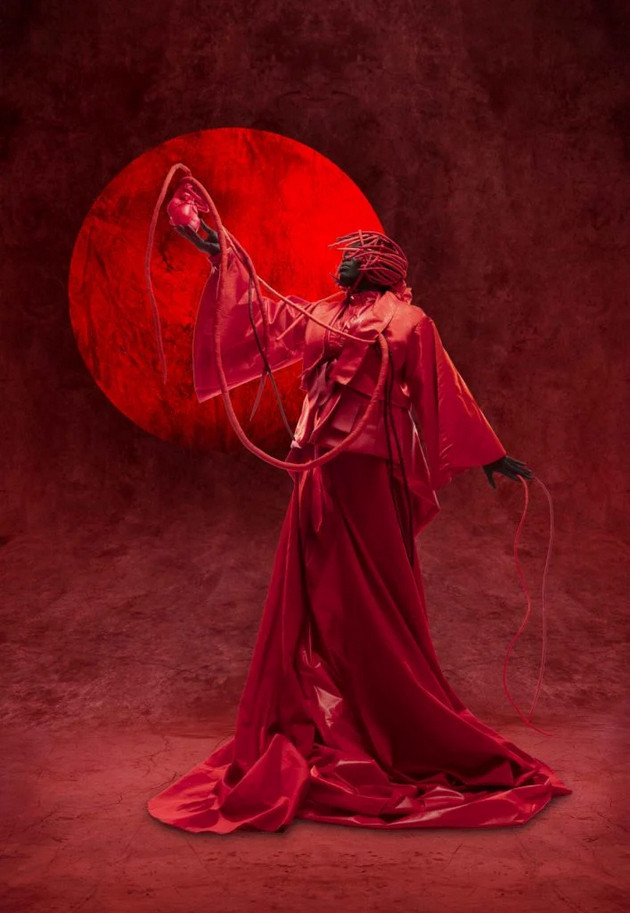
x: 284, y: 202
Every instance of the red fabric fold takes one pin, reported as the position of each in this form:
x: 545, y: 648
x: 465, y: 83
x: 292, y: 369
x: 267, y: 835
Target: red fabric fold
x: 345, y: 716
x: 441, y: 429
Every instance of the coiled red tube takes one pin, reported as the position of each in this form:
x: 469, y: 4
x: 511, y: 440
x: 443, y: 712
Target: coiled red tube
x: 519, y: 572
x: 226, y: 238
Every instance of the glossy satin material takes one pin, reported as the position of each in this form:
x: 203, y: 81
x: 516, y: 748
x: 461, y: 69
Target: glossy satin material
x: 345, y: 715
x: 339, y: 375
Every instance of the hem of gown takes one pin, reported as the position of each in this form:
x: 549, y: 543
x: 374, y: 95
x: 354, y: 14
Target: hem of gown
x: 317, y: 736
x: 205, y: 795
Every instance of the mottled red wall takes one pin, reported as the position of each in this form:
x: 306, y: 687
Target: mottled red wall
x: 492, y: 138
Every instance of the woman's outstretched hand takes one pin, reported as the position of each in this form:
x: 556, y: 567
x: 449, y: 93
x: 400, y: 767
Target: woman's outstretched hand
x: 507, y: 466
x: 213, y: 238
x: 209, y: 245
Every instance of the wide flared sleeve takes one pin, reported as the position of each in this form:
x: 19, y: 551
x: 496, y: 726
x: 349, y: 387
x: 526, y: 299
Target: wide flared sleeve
x: 281, y: 339
x: 454, y: 431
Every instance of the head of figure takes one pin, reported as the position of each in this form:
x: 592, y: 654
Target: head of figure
x: 370, y: 260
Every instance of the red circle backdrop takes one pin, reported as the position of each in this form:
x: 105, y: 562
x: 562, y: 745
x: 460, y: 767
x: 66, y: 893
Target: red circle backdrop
x: 284, y: 202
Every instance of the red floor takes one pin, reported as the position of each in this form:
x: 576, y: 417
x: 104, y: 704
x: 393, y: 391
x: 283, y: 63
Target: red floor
x: 126, y: 644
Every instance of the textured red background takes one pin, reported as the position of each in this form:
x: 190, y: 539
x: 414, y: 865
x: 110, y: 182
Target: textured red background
x: 493, y: 140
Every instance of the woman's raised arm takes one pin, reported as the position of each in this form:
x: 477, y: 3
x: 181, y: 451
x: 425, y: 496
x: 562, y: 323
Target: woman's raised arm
x: 245, y: 331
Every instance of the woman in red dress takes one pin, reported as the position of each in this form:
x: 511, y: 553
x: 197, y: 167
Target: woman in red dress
x: 345, y: 716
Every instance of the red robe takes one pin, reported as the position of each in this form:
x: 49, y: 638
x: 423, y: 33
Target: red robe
x: 345, y: 715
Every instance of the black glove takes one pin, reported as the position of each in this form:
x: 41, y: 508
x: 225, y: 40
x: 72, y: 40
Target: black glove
x: 213, y: 236
x: 209, y: 245
x: 509, y: 467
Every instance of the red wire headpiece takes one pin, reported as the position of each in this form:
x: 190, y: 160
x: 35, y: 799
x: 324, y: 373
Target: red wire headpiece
x: 381, y: 260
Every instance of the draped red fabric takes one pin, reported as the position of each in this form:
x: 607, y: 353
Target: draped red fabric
x: 346, y: 716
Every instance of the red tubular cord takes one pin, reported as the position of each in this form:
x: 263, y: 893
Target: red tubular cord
x: 543, y: 652
x: 225, y: 239
x: 147, y: 262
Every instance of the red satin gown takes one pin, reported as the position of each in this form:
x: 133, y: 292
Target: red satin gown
x: 345, y: 716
